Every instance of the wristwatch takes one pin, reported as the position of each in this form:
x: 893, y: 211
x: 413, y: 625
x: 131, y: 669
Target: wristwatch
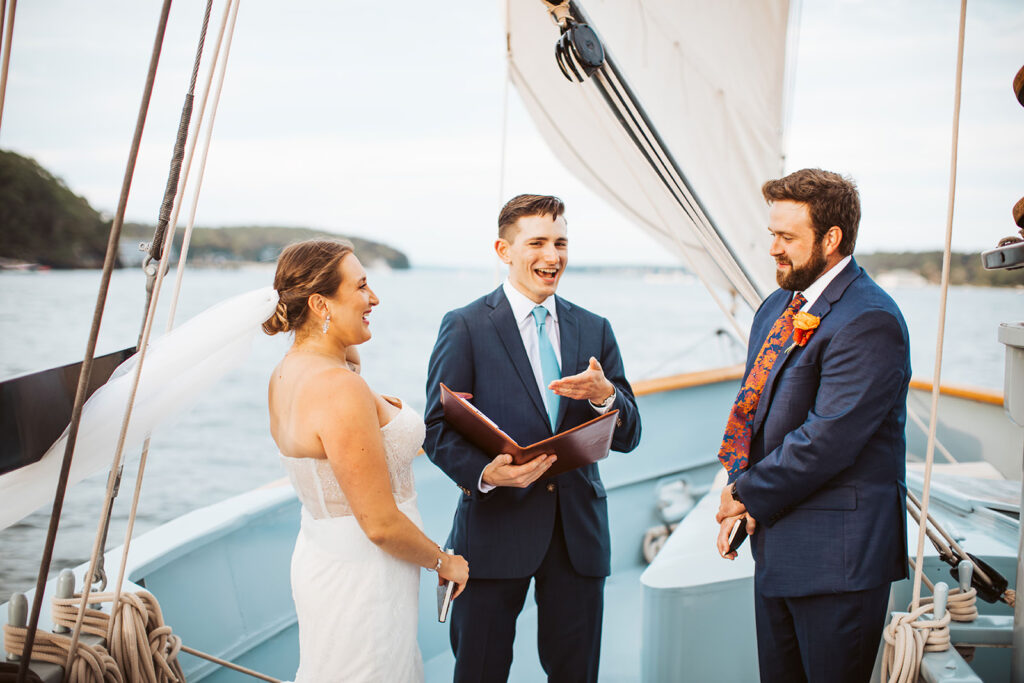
x: 734, y: 493
x: 606, y: 402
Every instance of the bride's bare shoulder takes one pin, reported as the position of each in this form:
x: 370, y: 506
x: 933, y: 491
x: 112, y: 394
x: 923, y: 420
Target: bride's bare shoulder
x: 338, y: 384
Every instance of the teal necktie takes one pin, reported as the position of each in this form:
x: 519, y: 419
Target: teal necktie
x: 548, y: 365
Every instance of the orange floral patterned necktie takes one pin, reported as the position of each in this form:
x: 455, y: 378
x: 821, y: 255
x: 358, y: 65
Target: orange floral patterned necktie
x: 735, y: 450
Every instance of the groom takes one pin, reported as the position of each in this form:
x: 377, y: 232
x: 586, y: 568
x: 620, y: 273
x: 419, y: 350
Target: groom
x: 537, y: 365
x: 815, y: 443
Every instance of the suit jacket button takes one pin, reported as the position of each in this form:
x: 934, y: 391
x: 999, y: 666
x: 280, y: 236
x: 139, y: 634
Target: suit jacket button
x: 551, y: 487
x: 618, y: 422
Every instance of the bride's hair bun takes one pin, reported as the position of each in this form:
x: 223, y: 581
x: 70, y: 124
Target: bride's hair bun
x: 304, y: 269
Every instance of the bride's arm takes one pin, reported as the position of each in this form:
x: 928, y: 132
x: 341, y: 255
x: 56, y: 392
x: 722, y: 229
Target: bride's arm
x: 350, y: 434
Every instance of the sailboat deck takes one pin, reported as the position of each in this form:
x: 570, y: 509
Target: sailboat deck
x: 620, y: 642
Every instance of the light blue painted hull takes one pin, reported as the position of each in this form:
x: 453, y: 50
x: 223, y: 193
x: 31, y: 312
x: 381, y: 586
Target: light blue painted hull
x: 222, y: 573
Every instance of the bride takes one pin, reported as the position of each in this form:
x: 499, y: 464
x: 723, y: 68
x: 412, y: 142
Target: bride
x: 348, y: 452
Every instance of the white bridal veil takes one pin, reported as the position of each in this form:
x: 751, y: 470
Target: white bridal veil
x: 178, y: 367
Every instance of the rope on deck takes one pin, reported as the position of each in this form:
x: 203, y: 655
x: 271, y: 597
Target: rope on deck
x: 141, y: 649
x: 907, y: 638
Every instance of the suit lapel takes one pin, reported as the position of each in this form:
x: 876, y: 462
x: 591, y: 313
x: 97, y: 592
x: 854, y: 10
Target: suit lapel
x: 569, y: 346
x: 508, y: 332
x: 820, y: 308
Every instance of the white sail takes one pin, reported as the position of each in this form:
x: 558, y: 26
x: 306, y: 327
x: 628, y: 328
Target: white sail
x: 710, y: 77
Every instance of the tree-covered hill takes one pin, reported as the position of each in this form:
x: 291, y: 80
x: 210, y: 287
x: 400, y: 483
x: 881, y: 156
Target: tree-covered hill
x: 252, y: 243
x: 44, y: 222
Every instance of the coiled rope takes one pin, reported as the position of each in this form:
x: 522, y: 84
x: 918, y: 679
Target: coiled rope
x: 142, y: 649
x: 962, y: 606
x: 907, y: 638
x: 654, y: 540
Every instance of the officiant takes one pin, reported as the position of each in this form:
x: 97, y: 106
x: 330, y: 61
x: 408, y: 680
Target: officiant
x: 537, y: 365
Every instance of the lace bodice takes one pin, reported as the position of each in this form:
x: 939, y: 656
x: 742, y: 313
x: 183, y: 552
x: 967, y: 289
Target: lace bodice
x: 319, y: 490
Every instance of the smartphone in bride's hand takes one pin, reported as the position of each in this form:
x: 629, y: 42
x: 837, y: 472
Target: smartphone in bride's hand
x: 444, y: 596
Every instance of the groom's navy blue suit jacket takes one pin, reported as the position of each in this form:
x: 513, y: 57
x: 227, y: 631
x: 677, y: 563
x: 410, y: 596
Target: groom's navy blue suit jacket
x: 505, y: 533
x: 826, y: 481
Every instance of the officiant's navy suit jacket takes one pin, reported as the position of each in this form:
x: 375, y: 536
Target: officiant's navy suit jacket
x: 505, y: 533
x: 826, y: 481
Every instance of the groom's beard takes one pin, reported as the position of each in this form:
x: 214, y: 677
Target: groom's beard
x: 800, y: 278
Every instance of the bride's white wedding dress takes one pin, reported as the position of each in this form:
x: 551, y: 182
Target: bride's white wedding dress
x: 357, y: 605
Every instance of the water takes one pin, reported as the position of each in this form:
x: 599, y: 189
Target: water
x: 221, y: 446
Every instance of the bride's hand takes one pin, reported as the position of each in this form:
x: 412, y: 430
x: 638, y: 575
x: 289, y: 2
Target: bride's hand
x: 454, y: 568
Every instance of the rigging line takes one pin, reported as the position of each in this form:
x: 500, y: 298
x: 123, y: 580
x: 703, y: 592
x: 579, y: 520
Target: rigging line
x: 712, y: 243
x: 677, y: 186
x: 229, y: 665
x: 930, y: 453
x: 715, y: 240
x: 187, y: 238
x: 182, y: 259
x: 684, y: 248
x: 916, y: 419
x: 671, y: 235
x: 978, y: 571
x: 156, y: 248
x: 625, y: 206
x: 603, y: 188
x: 645, y: 149
x: 504, y: 132
x: 657, y: 137
x: 7, y: 29
x: 789, y: 75
x: 86, y: 372
x: 190, y: 154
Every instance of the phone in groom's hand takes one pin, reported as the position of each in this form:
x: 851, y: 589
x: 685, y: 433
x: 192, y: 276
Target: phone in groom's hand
x: 738, y: 534
x: 444, y: 596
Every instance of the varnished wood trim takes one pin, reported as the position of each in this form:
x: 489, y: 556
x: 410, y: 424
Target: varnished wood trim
x: 961, y: 391
x: 687, y: 380
x: 694, y: 379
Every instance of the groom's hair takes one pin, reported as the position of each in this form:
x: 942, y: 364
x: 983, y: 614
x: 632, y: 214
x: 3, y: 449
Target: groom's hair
x: 524, y: 205
x: 830, y: 198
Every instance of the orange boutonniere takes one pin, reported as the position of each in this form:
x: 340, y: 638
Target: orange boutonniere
x: 804, y: 325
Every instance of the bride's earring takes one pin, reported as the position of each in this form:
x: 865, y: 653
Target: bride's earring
x: 327, y: 323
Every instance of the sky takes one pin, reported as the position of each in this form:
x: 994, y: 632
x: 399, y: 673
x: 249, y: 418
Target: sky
x: 384, y: 120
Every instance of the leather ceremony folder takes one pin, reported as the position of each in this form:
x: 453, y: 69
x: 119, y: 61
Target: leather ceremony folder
x: 576, y: 447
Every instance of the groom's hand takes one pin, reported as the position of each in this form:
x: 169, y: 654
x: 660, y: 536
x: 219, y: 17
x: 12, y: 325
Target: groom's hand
x: 501, y: 471
x: 591, y: 384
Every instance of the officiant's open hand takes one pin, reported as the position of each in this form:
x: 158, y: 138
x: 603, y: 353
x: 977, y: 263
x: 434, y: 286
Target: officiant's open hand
x: 501, y: 471
x: 591, y: 384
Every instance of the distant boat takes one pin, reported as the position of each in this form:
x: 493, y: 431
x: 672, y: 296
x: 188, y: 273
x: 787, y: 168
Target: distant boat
x: 900, y: 278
